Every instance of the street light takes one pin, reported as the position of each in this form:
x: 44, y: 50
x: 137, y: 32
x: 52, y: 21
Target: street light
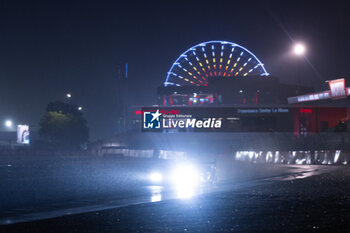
x: 80, y: 108
x: 69, y: 95
x: 8, y: 124
x: 299, y: 49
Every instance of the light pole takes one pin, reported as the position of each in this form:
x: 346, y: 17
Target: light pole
x: 299, y: 50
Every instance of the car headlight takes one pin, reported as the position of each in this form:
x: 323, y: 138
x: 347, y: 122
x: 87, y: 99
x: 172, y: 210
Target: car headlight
x: 156, y: 177
x: 185, y: 175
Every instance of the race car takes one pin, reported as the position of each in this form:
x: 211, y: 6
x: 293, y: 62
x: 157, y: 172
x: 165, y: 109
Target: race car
x: 186, y: 174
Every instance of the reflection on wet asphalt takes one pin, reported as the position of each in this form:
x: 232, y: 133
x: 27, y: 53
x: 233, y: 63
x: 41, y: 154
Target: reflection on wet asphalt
x: 314, y: 204
x: 145, y: 194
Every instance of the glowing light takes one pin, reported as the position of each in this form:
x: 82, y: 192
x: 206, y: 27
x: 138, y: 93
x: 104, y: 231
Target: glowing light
x: 299, y: 49
x: 156, y: 177
x: 197, y: 52
x: 8, y: 123
x: 69, y: 95
x: 185, y: 178
x: 156, y: 197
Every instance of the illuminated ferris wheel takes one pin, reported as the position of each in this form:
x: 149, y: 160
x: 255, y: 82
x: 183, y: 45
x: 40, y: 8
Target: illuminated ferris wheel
x: 213, y: 59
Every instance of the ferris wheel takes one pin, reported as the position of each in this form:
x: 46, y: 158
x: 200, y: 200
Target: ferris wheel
x: 213, y: 59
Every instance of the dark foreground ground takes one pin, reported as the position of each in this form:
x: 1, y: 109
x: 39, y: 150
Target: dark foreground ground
x: 315, y: 204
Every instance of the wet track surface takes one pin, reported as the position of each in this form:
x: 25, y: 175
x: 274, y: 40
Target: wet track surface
x: 301, y: 205
x: 251, y: 198
x: 145, y: 194
x: 159, y: 209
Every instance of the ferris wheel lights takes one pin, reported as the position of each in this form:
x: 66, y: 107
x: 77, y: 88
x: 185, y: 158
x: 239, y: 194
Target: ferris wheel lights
x: 189, y: 62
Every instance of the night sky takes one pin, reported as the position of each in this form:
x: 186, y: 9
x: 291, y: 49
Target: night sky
x: 49, y: 48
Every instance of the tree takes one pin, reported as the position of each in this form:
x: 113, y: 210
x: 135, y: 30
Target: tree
x: 64, y: 125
